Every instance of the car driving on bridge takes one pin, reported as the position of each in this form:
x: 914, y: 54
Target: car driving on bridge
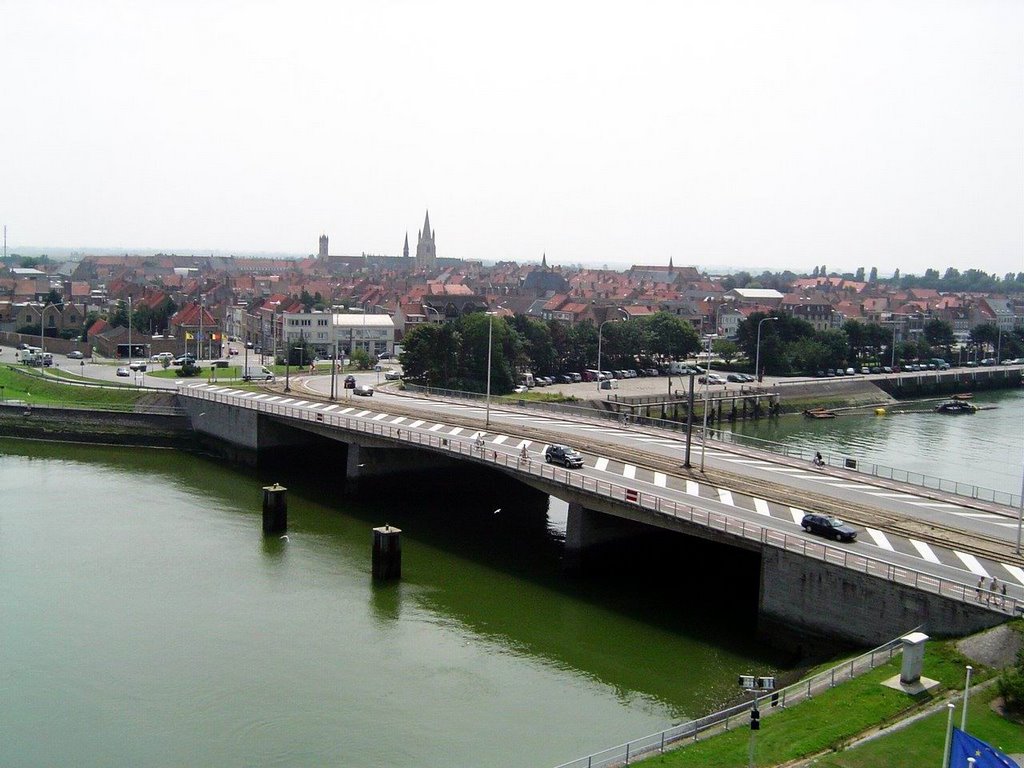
x: 568, y: 457
x: 829, y: 527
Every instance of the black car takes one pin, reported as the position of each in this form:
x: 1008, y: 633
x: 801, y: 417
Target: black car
x: 564, y: 455
x: 829, y: 527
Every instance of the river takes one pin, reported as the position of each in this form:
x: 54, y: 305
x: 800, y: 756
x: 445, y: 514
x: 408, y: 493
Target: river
x: 147, y: 622
x: 984, y: 449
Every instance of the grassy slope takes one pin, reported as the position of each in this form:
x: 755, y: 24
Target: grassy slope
x: 32, y: 388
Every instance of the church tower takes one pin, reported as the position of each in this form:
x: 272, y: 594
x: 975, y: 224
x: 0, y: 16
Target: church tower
x: 323, y: 246
x: 426, y: 247
x: 405, y: 248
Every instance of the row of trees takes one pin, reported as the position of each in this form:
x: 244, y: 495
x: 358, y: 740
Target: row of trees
x: 951, y: 281
x: 454, y: 355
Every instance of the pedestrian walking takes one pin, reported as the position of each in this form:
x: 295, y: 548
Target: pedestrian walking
x: 981, y: 586
x: 993, y: 589
x: 1002, y: 594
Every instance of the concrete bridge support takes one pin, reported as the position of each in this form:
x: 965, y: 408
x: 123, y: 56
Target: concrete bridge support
x: 587, y: 530
x: 801, y: 596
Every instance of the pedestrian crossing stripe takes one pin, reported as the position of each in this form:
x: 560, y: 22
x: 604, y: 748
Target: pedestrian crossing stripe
x: 761, y: 507
x: 289, y: 401
x: 892, y: 495
x: 601, y: 464
x: 361, y: 414
x: 330, y: 408
x: 972, y: 564
x: 380, y: 417
x: 629, y: 472
x: 1015, y: 571
x: 937, y: 504
x: 500, y: 439
x: 854, y: 486
x: 692, y: 488
x: 398, y: 420
x: 456, y: 431
x: 436, y: 427
x: 798, y: 515
x: 980, y: 516
x: 347, y: 410
x: 880, y: 539
x: 725, y: 497
x: 660, y: 480
x: 925, y: 551
x: 417, y: 423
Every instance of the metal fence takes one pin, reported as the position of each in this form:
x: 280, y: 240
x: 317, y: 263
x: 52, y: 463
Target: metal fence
x: 507, y: 457
x: 129, y: 408
x: 739, y: 714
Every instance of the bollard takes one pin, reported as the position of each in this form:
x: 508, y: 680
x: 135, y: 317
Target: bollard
x: 387, y: 552
x: 275, y: 509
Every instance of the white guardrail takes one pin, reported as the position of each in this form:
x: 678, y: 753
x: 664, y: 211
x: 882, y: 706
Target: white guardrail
x: 509, y: 459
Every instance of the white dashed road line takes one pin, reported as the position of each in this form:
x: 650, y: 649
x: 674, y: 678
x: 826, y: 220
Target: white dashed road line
x: 629, y: 472
x: 500, y: 439
x: 1015, y: 571
x: 879, y: 538
x: 761, y: 507
x: 660, y: 480
x: 798, y: 515
x: 925, y: 551
x: 725, y: 497
x: 601, y: 464
x: 972, y: 564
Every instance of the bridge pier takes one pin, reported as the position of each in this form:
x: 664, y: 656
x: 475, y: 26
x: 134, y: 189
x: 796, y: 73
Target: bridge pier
x: 587, y: 530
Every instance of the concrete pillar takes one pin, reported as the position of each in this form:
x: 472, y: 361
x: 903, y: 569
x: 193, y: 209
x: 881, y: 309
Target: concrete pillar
x: 275, y: 509
x: 387, y: 553
x: 913, y: 657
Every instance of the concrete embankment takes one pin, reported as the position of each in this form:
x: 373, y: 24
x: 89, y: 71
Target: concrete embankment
x: 155, y: 422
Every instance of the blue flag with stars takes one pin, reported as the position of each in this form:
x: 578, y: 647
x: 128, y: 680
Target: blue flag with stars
x: 964, y: 745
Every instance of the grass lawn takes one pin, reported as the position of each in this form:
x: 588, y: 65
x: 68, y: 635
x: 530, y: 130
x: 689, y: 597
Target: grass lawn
x: 829, y: 720
x: 32, y: 388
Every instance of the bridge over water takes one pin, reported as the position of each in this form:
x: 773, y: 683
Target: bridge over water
x: 917, y: 562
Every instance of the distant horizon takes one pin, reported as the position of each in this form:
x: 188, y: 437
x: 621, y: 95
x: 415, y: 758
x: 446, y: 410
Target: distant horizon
x: 63, y: 252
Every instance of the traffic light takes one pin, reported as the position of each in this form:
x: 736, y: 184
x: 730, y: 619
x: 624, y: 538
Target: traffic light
x: 755, y: 719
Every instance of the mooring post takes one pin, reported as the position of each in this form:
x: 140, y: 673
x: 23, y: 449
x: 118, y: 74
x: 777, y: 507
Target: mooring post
x: 387, y: 553
x: 275, y: 509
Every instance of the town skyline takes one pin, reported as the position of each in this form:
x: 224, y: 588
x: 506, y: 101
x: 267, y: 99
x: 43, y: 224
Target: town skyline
x: 734, y: 135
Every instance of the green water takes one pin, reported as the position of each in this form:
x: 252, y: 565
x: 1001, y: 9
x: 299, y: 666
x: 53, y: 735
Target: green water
x: 147, y: 622
x: 985, y: 449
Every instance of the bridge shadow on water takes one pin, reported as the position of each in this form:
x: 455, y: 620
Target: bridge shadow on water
x: 660, y: 612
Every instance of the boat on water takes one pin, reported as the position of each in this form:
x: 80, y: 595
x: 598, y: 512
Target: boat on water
x: 819, y: 413
x: 963, y: 396
x: 956, y: 406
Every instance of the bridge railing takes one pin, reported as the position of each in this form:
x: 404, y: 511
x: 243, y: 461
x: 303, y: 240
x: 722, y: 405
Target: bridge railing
x: 739, y: 714
x: 506, y: 456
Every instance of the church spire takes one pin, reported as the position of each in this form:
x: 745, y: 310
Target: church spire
x: 405, y: 248
x: 544, y: 261
x: 669, y: 263
x: 426, y: 225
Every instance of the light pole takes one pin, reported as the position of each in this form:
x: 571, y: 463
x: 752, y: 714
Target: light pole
x: 431, y: 309
x: 625, y: 316
x: 757, y: 353
x: 707, y: 400
x: 490, y: 334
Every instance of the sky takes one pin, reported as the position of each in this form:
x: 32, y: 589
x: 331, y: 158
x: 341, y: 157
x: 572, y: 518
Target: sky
x: 733, y: 134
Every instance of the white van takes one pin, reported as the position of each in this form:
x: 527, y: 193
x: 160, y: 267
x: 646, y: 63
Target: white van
x: 254, y: 372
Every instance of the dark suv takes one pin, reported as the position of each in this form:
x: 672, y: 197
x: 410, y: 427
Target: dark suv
x: 564, y: 455
x: 829, y: 527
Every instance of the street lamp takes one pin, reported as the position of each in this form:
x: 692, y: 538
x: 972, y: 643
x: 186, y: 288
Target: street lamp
x: 757, y: 353
x: 625, y: 316
x: 431, y: 309
x: 707, y: 401
x: 490, y: 334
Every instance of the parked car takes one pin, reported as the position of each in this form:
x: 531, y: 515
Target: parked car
x: 363, y: 390
x: 392, y: 376
x: 161, y: 356
x: 137, y: 365
x: 183, y: 359
x: 829, y: 527
x: 736, y: 377
x: 711, y: 378
x: 850, y: 372
x: 564, y: 455
x: 887, y: 369
x: 122, y: 371
x: 75, y: 355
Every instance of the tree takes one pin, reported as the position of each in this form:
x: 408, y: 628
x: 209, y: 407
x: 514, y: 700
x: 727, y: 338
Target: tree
x: 725, y: 349
x: 669, y: 336
x: 939, y: 333
x: 815, y: 272
x: 1011, y: 684
x: 119, y: 317
x: 54, y: 297
x: 859, y: 277
x: 360, y: 359
x: 985, y: 333
x: 873, y: 275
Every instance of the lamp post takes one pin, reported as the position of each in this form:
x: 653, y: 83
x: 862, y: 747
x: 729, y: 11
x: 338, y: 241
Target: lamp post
x: 42, y: 337
x: 431, y: 309
x: 490, y: 334
x: 625, y: 316
x: 757, y: 353
x: 707, y: 401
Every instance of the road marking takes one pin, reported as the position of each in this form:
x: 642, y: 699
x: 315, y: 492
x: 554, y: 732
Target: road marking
x: 300, y: 403
x: 798, y: 515
x: 415, y: 424
x: 925, y: 551
x: 398, y: 420
x: 381, y: 416
x: 500, y: 439
x: 982, y: 516
x: 524, y: 444
x: 939, y: 504
x: 856, y: 486
x: 660, y: 480
x: 456, y: 431
x: 316, y: 406
x: 601, y: 464
x: 725, y: 497
x: 880, y: 540
x: 330, y: 408
x: 808, y: 476
x: 288, y: 401
x: 261, y: 396
x: 789, y: 469
x: 1013, y: 570
x: 273, y: 399
x: 692, y: 488
x: 436, y: 427
x: 972, y: 564
x: 761, y: 507
x: 361, y: 414
x: 347, y: 410
x: 752, y: 462
x: 629, y: 472
x: 893, y: 495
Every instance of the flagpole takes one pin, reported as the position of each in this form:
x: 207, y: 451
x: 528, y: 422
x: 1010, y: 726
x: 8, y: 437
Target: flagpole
x: 967, y: 690
x: 949, y: 734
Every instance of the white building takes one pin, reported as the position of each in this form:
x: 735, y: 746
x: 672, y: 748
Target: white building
x: 326, y: 331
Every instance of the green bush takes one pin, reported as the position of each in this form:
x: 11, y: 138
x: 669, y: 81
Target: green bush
x: 1011, y: 685
x: 188, y: 369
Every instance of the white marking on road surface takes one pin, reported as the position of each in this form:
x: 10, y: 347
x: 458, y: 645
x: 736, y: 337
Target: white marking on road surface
x: 1013, y: 570
x: 981, y: 516
x: 524, y: 444
x: 761, y: 507
x: 925, y: 551
x: 301, y: 403
x: 725, y: 497
x: 361, y: 414
x: 273, y: 399
x: 692, y: 488
x: 752, y: 462
x: 316, y: 406
x: 398, y: 420
x: 289, y: 400
x: 939, y: 504
x: 261, y: 396
x: 880, y: 540
x: 415, y: 424
x: 654, y: 440
x: 601, y: 464
x: 436, y: 427
x: 456, y: 431
x: 972, y: 564
x: 629, y: 472
x: 347, y: 410
x: 500, y: 439
x: 789, y: 469
x: 381, y: 416
x: 660, y: 480
x: 855, y: 486
x: 893, y: 495
x: 798, y: 515
x: 330, y: 408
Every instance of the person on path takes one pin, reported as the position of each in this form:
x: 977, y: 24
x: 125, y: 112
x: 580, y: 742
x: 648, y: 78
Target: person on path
x: 993, y: 589
x: 981, y: 586
x: 1002, y: 594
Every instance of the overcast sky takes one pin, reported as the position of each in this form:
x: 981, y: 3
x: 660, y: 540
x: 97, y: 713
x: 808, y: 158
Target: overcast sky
x: 719, y: 133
